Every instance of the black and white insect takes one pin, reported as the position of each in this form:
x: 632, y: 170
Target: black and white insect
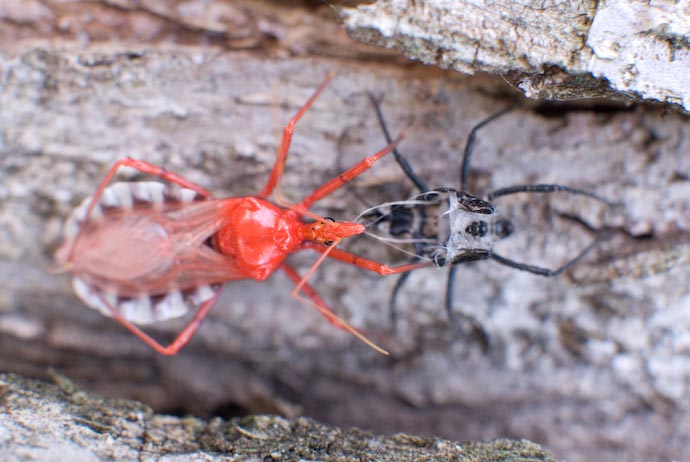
x: 451, y: 226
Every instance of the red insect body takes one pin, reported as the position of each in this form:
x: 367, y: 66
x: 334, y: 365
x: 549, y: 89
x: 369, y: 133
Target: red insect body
x: 166, y: 251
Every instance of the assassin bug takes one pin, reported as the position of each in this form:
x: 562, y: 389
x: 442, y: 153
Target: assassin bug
x: 143, y: 252
x: 451, y: 226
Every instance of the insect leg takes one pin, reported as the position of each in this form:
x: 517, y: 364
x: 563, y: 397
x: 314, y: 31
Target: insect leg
x: 544, y: 271
x: 182, y: 338
x: 289, y: 129
x: 544, y: 188
x: 362, y: 262
x: 150, y: 169
x: 317, y: 302
x: 418, y: 182
x: 477, y: 331
x: 394, y: 296
x: 404, y: 165
x: 469, y: 147
x: 347, y: 176
x: 450, y: 288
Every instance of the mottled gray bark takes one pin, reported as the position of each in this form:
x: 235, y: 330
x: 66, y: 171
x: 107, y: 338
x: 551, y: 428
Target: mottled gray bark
x: 46, y: 423
x: 629, y: 49
x: 593, y: 365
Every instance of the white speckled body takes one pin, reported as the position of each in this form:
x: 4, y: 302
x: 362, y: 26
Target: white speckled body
x: 460, y: 240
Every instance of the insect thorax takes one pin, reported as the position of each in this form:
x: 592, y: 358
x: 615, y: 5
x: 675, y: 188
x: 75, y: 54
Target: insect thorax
x: 473, y: 227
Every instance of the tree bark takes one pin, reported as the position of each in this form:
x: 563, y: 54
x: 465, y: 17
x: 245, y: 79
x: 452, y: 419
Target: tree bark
x: 41, y: 421
x: 603, y: 344
x: 625, y: 49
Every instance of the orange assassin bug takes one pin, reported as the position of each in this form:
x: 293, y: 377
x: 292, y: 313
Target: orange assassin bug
x: 144, y: 252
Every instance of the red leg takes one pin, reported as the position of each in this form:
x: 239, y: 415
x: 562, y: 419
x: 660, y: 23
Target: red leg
x: 347, y: 176
x: 182, y: 338
x: 367, y: 264
x: 279, y: 165
x: 302, y: 285
x: 323, y: 308
x: 143, y: 167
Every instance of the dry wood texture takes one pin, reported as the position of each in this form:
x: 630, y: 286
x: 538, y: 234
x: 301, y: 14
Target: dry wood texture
x: 593, y: 365
x: 44, y: 422
x: 548, y: 49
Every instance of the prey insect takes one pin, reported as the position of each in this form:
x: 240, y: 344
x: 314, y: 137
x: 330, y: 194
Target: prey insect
x: 451, y: 226
x: 144, y: 252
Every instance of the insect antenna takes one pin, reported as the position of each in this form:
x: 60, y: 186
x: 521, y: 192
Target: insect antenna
x: 391, y: 242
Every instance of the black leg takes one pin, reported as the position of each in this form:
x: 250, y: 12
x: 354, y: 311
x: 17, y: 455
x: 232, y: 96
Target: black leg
x: 476, y: 330
x: 544, y: 271
x: 450, y: 289
x: 469, y: 147
x: 407, y: 168
x: 421, y: 186
x: 543, y: 188
x: 392, y: 309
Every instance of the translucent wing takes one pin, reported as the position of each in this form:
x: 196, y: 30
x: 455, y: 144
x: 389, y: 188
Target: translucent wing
x: 145, y: 251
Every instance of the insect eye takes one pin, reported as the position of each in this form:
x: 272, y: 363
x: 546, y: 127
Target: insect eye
x: 330, y: 220
x: 477, y: 229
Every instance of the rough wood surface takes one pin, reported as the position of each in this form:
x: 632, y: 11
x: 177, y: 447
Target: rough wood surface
x: 45, y: 422
x: 547, y: 49
x: 607, y: 344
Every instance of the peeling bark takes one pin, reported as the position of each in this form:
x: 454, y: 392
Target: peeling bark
x: 629, y: 49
